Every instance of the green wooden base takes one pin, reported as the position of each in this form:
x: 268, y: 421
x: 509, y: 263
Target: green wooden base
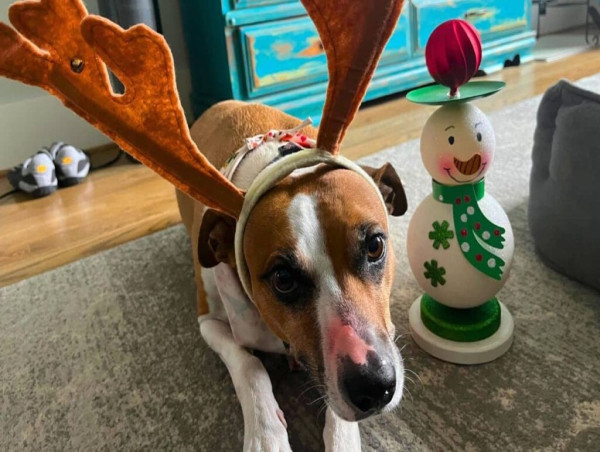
x: 461, y: 325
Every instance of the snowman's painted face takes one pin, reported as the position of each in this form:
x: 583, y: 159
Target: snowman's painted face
x: 457, y: 144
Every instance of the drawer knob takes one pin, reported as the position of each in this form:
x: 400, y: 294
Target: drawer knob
x: 476, y: 13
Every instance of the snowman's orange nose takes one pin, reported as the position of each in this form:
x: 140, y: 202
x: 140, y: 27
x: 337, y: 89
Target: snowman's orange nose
x: 469, y: 167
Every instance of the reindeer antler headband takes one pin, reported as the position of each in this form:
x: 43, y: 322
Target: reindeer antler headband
x: 65, y: 51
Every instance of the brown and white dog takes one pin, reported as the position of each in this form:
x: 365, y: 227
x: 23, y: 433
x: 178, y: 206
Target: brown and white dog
x: 294, y: 243
x: 321, y: 269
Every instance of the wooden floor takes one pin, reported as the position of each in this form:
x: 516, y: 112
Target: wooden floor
x: 127, y: 201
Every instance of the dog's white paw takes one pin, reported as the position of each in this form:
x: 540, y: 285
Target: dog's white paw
x: 267, y: 433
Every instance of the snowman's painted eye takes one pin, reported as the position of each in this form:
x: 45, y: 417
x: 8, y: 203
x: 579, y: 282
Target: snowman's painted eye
x: 451, y: 140
x: 478, y: 136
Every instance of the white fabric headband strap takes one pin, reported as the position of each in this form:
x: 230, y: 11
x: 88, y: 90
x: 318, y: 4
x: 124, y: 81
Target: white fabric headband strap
x: 268, y: 178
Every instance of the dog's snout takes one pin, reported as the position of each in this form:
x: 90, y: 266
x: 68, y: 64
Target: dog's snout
x: 366, y: 369
x: 370, y: 386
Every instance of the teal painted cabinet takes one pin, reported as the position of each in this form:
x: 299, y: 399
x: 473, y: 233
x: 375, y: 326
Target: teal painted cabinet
x: 268, y: 50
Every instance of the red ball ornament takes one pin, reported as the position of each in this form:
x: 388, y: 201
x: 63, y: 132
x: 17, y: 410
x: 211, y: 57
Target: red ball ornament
x: 453, y: 54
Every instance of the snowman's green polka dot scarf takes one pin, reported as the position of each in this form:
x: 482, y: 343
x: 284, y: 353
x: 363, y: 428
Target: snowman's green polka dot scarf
x: 472, y: 227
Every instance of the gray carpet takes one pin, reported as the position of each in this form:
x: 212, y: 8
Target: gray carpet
x: 105, y: 353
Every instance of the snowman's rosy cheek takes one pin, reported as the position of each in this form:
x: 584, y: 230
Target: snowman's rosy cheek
x: 486, y: 158
x: 445, y: 162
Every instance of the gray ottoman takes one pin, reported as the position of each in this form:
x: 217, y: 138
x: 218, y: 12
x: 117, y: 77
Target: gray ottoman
x: 564, y: 202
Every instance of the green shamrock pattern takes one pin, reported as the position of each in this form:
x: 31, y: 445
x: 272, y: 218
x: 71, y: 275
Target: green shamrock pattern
x: 435, y: 273
x: 441, y: 234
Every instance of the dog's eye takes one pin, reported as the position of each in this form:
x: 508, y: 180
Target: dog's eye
x: 283, y: 281
x: 375, y: 248
x: 451, y: 140
x: 479, y: 136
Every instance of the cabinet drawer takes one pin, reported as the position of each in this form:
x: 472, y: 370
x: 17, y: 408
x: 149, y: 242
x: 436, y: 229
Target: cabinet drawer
x: 288, y: 53
x: 253, y: 3
x: 490, y: 17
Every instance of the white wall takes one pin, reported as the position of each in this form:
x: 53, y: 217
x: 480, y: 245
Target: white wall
x: 559, y: 18
x: 31, y: 118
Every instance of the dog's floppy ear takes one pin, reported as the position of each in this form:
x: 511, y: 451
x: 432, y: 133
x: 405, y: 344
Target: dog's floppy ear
x: 391, y: 188
x: 216, y: 239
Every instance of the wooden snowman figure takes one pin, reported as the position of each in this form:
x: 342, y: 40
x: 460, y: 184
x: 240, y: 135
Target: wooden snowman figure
x: 460, y: 242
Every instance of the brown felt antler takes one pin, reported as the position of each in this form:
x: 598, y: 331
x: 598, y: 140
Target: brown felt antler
x: 67, y: 59
x: 354, y: 34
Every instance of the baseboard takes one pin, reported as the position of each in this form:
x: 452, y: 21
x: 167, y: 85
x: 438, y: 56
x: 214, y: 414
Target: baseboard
x: 108, y: 147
